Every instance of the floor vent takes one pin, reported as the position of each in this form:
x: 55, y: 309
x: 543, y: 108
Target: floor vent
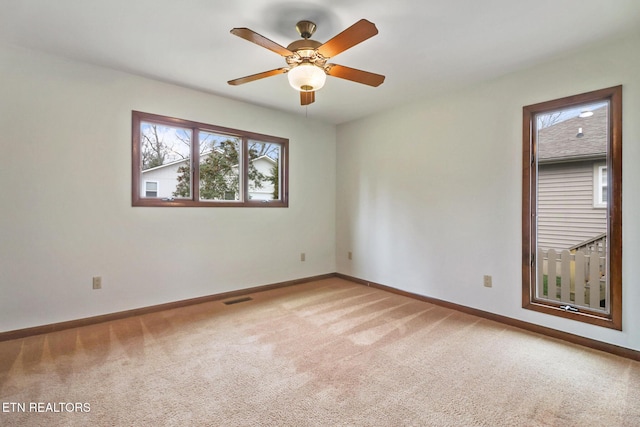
x: 238, y: 300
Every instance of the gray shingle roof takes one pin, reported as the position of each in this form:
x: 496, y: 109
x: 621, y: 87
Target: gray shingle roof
x: 559, y: 142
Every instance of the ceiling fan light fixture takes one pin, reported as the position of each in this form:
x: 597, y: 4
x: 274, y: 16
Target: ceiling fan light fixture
x: 306, y: 77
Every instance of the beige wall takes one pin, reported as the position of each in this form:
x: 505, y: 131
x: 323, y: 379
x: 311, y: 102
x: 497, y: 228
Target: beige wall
x: 66, y: 213
x: 429, y: 195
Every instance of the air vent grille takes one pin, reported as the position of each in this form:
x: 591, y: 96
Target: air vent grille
x: 238, y: 300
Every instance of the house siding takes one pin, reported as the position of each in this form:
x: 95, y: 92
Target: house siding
x: 264, y: 166
x: 166, y: 177
x: 566, y: 212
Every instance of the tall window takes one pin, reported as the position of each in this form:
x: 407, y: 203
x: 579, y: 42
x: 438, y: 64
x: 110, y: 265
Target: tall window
x: 571, y: 209
x: 182, y: 163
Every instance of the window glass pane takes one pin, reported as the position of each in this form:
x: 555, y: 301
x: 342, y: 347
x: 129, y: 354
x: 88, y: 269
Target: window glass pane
x: 220, y: 158
x: 571, y: 230
x: 151, y: 189
x: 165, y: 160
x: 264, y: 170
x: 196, y: 164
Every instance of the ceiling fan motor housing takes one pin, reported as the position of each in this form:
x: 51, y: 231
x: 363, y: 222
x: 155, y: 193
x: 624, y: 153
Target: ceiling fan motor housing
x: 305, y: 50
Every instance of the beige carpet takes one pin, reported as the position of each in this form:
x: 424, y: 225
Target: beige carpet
x: 327, y: 353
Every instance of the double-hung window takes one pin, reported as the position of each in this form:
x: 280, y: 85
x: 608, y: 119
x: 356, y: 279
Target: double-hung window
x: 151, y: 189
x: 600, y: 186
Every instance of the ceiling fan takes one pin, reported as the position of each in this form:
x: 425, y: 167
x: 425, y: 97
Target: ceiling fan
x: 307, y: 59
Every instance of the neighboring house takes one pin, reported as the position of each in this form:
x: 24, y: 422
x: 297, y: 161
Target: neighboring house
x: 572, y: 181
x: 264, y: 165
x: 161, y: 181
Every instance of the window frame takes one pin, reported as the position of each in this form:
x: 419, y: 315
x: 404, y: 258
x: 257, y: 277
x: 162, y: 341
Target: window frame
x: 613, y: 319
x: 146, y: 190
x: 598, y: 185
x: 194, y: 200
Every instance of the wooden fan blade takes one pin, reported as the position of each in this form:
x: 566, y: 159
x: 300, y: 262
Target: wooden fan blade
x: 307, y: 98
x: 260, y: 40
x: 357, y: 33
x: 354, y: 75
x: 258, y: 76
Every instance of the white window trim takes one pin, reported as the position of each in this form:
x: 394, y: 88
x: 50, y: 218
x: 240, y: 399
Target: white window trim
x: 144, y: 189
x: 598, y: 185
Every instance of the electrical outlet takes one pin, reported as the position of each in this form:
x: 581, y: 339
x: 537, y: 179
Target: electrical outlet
x: 97, y: 282
x: 350, y: 255
x: 303, y: 257
x: 487, y: 281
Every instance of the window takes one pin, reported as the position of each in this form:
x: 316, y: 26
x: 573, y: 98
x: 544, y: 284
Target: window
x: 231, y: 168
x: 599, y: 186
x: 150, y: 189
x: 571, y: 207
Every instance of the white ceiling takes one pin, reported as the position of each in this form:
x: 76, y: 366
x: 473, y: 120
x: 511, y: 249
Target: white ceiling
x: 423, y: 47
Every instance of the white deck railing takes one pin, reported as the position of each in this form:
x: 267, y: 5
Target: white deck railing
x: 576, y: 279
